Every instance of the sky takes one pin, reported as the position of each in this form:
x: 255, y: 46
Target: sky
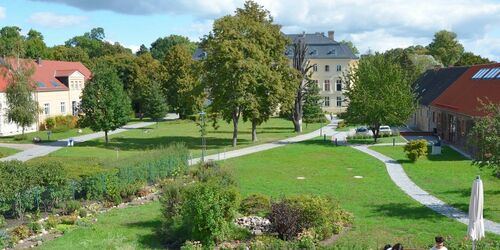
x: 371, y: 25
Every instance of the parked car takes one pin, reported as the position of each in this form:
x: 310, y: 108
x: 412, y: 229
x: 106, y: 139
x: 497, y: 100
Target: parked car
x: 385, y: 130
x: 362, y: 131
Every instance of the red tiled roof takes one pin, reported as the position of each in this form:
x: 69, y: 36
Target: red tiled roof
x: 462, y: 96
x: 46, y: 73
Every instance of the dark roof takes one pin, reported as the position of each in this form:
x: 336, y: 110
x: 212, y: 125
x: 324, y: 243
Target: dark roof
x: 462, y: 96
x: 321, y: 47
x: 433, y: 82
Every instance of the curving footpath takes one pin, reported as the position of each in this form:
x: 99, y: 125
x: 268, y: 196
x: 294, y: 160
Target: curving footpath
x: 401, y: 179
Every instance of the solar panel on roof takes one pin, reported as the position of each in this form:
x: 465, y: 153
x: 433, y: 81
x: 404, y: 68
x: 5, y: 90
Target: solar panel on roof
x: 492, y: 73
x: 40, y: 84
x: 479, y: 74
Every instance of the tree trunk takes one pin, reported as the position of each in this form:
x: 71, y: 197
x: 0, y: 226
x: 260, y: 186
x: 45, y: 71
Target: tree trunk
x: 236, y: 118
x: 297, y: 113
x: 254, y: 131
x: 23, y: 131
x: 376, y: 131
x: 106, y: 136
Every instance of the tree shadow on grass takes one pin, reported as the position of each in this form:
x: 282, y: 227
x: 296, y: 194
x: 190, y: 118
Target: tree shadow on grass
x: 152, y: 240
x: 405, y: 211
x: 192, y: 143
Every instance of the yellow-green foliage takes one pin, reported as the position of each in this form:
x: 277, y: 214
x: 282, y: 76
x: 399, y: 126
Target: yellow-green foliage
x: 415, y: 149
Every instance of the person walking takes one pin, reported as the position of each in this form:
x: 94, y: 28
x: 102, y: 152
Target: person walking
x: 439, y: 244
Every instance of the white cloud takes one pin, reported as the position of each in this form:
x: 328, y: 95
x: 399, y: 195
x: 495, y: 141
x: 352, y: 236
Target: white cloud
x: 49, y: 19
x: 134, y: 48
x: 3, y: 13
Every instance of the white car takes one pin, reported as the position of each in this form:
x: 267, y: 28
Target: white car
x: 362, y: 131
x: 385, y: 130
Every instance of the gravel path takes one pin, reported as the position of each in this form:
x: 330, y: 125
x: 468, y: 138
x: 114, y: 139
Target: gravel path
x: 401, y: 179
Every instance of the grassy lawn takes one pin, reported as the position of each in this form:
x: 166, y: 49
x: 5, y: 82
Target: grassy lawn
x: 4, y: 152
x: 383, y: 213
x: 132, y: 143
x: 43, y: 136
x: 130, y: 228
x: 449, y: 177
x: 379, y: 140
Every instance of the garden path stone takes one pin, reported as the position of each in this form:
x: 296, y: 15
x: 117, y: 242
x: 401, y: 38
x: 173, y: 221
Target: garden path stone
x: 401, y: 179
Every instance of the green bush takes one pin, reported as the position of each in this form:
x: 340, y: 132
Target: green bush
x: 70, y: 207
x: 202, y: 210
x: 415, y: 149
x: 35, y: 227
x: 256, y: 204
x: 20, y: 137
x: 50, y: 123
x: 82, y: 212
x: 51, y: 222
x: 4, y: 239
x: 3, y: 223
x: 21, y: 232
x: 192, y: 245
x: 69, y: 219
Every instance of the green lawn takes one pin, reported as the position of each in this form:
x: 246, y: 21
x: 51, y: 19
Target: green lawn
x: 383, y: 213
x: 44, y: 137
x: 132, y: 143
x: 449, y: 177
x: 4, y: 152
x: 379, y: 140
x: 130, y: 228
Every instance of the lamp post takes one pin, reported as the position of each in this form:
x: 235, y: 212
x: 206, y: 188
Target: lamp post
x: 203, y: 133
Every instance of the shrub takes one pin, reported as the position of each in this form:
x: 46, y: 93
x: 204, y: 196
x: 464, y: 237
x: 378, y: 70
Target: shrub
x: 256, y: 204
x: 82, y: 212
x: 35, y: 227
x: 21, y: 232
x: 20, y: 137
x: 71, y: 206
x: 341, y: 124
x: 4, y: 239
x: 415, y: 149
x: 50, y: 123
x: 285, y: 219
x: 3, y: 223
x: 69, y: 219
x: 51, y: 222
x: 192, y: 245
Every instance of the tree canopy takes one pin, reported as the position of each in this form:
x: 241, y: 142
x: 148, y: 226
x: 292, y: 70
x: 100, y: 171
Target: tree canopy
x: 105, y: 105
x: 469, y: 58
x: 445, y: 47
x: 162, y: 45
x: 351, y: 45
x: 379, y: 93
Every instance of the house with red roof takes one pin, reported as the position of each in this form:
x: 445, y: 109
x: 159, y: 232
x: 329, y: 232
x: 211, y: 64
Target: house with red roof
x: 58, y: 89
x: 450, y: 99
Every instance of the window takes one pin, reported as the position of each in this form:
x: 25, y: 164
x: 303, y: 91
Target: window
x: 315, y: 67
x: 339, y: 101
x: 327, y: 85
x: 339, y: 67
x: 74, y: 107
x: 327, y: 101
x: 339, y: 85
x: 327, y: 68
x: 433, y: 117
x: 46, y: 109
x: 63, y: 107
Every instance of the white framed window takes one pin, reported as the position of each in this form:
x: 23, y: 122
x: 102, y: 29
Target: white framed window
x: 327, y: 68
x: 339, y: 67
x: 339, y: 85
x: 327, y: 85
x: 46, y: 109
x: 63, y: 107
x: 339, y: 101
x: 327, y: 101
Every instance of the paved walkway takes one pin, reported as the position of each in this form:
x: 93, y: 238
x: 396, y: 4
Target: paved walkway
x: 401, y: 179
x: 37, y: 150
x: 19, y: 146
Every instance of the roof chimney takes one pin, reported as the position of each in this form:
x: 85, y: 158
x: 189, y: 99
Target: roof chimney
x: 330, y: 34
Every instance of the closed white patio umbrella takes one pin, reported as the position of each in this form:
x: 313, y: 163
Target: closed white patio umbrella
x: 476, y: 223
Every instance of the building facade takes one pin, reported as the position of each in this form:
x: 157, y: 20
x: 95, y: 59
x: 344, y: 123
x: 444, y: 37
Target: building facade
x: 331, y: 60
x: 58, y: 90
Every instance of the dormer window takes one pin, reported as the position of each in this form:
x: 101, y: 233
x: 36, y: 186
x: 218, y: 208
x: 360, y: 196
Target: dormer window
x: 313, y: 52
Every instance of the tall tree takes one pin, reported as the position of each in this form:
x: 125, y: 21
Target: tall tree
x: 379, y: 93
x: 485, y: 136
x: 469, y: 58
x: 94, y: 45
x: 312, y: 104
x: 183, y: 88
x: 155, y: 106
x: 302, y: 73
x: 22, y: 108
x: 244, y: 58
x: 72, y: 54
x: 162, y: 45
x: 11, y: 42
x: 105, y: 105
x: 142, y: 50
x: 145, y: 72
x: 445, y: 47
x: 35, y: 46
x: 351, y: 45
